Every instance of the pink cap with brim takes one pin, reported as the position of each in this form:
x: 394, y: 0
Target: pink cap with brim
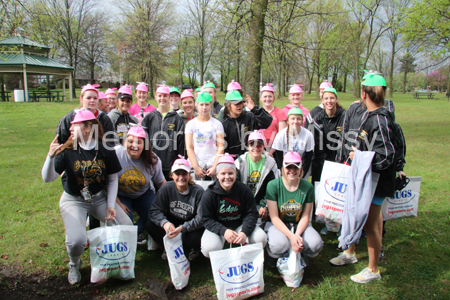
x: 83, y: 115
x: 325, y: 84
x: 181, y: 164
x: 111, y: 91
x: 102, y: 95
x: 225, y: 161
x: 234, y: 86
x: 292, y: 158
x: 256, y: 136
x: 142, y: 87
x: 89, y: 87
x: 126, y: 89
x: 267, y: 88
x: 186, y: 94
x: 295, y: 89
x: 137, y: 131
x: 163, y: 90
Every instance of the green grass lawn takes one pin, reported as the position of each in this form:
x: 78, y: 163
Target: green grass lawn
x: 417, y: 263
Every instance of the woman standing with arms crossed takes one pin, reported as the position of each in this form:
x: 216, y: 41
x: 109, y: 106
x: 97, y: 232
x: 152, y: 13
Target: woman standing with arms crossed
x: 90, y: 185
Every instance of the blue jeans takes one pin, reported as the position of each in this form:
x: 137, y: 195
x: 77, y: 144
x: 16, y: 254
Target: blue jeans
x: 141, y: 206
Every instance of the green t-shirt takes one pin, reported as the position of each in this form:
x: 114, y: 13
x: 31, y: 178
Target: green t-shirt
x: 254, y: 172
x: 290, y: 204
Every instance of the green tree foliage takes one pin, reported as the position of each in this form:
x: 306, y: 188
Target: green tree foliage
x: 407, y: 65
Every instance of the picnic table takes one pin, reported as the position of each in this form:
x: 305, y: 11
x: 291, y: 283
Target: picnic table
x: 418, y: 95
x: 4, y: 96
x: 50, y: 96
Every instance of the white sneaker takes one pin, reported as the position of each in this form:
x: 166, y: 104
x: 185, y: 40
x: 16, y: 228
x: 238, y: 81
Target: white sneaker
x: 74, y: 276
x: 344, y: 259
x: 366, y: 276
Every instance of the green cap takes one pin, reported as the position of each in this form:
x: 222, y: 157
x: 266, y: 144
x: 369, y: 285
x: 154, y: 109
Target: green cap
x: 209, y: 84
x: 204, y: 97
x: 198, y: 89
x: 374, y: 80
x: 295, y: 111
x: 330, y: 90
x: 174, y: 90
x: 234, y: 97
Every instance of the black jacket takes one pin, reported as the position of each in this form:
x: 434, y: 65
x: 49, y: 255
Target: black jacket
x: 217, y: 107
x: 121, y: 123
x: 166, y: 135
x: 228, y: 210
x: 237, y: 129
x: 63, y: 130
x: 327, y: 133
x: 374, y: 132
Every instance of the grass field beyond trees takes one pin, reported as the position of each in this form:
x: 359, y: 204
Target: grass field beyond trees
x: 417, y: 263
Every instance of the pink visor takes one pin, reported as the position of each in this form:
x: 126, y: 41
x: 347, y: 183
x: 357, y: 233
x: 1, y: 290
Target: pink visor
x: 137, y: 131
x: 89, y: 87
x: 325, y: 84
x: 126, y: 89
x: 234, y: 86
x: 256, y: 136
x: 142, y: 87
x: 295, y: 89
x: 111, y: 91
x: 292, y: 158
x: 181, y: 164
x: 163, y: 90
x: 102, y: 95
x: 267, y: 88
x: 83, y: 115
x: 186, y: 94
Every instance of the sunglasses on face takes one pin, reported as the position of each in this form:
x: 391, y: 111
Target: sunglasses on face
x: 126, y: 100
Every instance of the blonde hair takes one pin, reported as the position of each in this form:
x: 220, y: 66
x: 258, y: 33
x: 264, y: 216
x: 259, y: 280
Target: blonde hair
x: 287, y: 131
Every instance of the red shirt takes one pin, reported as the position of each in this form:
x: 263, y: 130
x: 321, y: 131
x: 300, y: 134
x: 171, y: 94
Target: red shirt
x: 278, y: 116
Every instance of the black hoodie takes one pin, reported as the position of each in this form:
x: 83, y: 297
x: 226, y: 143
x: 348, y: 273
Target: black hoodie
x: 236, y: 129
x: 228, y: 210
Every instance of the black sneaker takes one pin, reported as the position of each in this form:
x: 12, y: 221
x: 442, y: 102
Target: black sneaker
x: 193, y: 254
x: 141, y: 239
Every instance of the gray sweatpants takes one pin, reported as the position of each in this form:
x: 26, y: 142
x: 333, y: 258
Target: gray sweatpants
x: 280, y: 243
x: 213, y: 242
x: 74, y: 212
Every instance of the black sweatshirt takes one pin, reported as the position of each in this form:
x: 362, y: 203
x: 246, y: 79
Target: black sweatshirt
x: 228, y: 210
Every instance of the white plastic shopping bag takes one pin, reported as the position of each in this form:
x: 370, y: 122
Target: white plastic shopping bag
x: 292, y: 268
x: 151, y: 244
x: 405, y: 203
x: 112, y: 251
x: 180, y: 269
x: 238, y: 272
x: 332, y: 191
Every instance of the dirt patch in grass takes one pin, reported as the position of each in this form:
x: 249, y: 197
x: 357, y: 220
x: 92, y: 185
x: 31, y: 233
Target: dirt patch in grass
x: 15, y: 283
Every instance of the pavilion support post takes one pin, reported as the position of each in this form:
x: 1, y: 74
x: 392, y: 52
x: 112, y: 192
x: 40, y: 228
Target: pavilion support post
x: 25, y: 84
x: 64, y: 88
x: 70, y: 87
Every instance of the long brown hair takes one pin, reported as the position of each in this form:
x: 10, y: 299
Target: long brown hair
x: 287, y: 133
x: 376, y: 94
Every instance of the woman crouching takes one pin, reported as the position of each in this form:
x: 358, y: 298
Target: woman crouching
x: 229, y: 211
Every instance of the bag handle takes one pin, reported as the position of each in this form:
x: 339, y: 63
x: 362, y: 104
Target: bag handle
x: 114, y: 219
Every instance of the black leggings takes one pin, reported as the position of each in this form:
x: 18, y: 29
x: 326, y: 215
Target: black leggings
x: 191, y: 239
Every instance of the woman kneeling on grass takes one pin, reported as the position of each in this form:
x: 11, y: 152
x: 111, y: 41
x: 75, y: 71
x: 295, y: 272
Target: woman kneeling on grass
x: 90, y: 168
x: 375, y: 128
x: 229, y: 211
x: 290, y: 200
x: 141, y: 173
x: 177, y: 210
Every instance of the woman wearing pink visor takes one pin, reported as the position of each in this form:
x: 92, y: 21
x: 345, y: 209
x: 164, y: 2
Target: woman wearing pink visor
x: 139, y: 178
x: 229, y: 211
x: 90, y: 185
x: 296, y: 96
x: 177, y: 210
x: 141, y: 108
x: 279, y: 117
x: 290, y: 200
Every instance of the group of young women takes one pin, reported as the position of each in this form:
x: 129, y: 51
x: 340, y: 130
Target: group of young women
x: 255, y: 195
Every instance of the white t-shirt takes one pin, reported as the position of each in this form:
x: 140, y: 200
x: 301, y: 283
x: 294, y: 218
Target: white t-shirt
x: 204, y: 135
x: 301, y: 143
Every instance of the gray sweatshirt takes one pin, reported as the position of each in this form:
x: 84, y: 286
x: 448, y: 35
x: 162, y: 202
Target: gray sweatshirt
x: 170, y: 204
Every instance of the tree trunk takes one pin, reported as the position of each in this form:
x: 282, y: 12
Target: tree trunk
x: 47, y: 79
x: 345, y: 82
x: 92, y: 67
x: 404, y: 82
x: 283, y: 78
x: 254, y: 49
x: 391, y: 71
x: 238, y: 61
